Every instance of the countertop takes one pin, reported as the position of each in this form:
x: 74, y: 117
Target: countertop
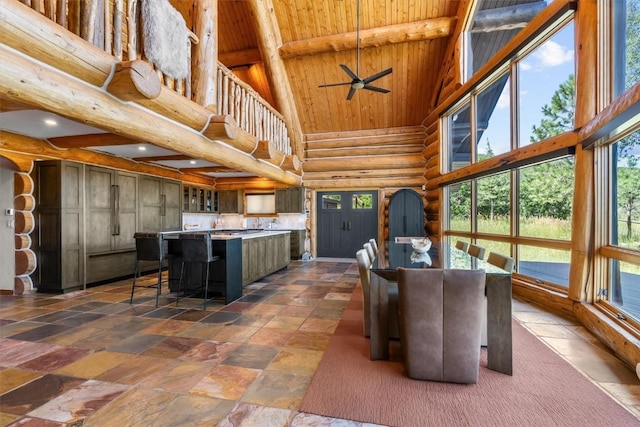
x: 221, y: 234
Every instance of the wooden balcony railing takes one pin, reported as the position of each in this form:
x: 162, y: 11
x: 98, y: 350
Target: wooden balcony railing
x: 116, y: 28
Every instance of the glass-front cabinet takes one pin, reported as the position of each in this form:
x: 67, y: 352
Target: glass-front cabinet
x: 199, y: 199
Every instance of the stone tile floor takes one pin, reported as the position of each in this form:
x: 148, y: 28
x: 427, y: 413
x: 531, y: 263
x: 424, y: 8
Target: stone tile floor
x: 90, y: 358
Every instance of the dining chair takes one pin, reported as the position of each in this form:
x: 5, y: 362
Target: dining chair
x: 196, y: 249
x: 463, y: 246
x: 440, y: 318
x: 149, y: 247
x: 364, y: 270
x: 372, y: 255
x: 476, y: 251
x: 501, y: 261
x: 374, y: 245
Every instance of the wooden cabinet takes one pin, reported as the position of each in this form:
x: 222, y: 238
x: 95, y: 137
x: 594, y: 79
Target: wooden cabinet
x: 160, y: 204
x: 230, y: 201
x: 297, y: 239
x: 264, y: 255
x: 111, y: 220
x: 59, y: 240
x: 290, y: 200
x: 199, y: 199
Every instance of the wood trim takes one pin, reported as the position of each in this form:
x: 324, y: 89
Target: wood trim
x: 623, y: 254
x: 539, y: 151
x: 93, y: 140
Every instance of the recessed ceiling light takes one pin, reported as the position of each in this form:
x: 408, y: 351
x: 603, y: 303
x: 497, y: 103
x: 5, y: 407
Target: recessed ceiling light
x: 50, y: 122
x: 193, y: 162
x: 142, y: 148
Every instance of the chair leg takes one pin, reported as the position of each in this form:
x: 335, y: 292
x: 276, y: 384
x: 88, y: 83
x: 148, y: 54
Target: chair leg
x: 135, y: 275
x: 180, y: 282
x: 206, y: 288
x: 159, y: 285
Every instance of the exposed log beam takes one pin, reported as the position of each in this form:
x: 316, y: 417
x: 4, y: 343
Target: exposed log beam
x: 413, y: 31
x: 379, y: 133
x: 364, y: 151
x: 368, y: 174
x: 209, y: 169
x: 400, y: 140
x: 402, y: 182
x: 11, y: 143
x: 506, y: 18
x: 265, y: 22
x: 25, y: 30
x: 363, y: 163
x: 240, y: 57
x: 92, y: 140
x: 7, y: 105
x: 25, y: 80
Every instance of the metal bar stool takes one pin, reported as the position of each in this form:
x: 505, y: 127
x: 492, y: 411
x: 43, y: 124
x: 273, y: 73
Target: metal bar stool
x: 149, y: 247
x: 196, y: 249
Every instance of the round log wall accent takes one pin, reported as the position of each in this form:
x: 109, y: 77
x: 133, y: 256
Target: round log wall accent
x: 25, y: 262
x: 24, y: 202
x: 23, y: 241
x: 24, y: 224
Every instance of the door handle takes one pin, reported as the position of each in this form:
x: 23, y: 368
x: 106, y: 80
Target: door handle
x: 348, y: 225
x: 116, y: 217
x: 163, y: 205
x: 113, y: 210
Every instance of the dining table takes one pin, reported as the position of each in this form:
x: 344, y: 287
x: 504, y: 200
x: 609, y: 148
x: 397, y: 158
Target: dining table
x: 399, y: 253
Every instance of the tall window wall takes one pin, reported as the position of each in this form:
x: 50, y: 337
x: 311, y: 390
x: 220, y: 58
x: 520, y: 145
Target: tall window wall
x: 618, y: 171
x: 524, y: 211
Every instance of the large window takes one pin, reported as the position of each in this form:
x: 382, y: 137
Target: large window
x: 621, y: 247
x: 626, y: 45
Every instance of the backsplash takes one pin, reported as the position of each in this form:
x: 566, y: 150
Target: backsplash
x: 200, y: 221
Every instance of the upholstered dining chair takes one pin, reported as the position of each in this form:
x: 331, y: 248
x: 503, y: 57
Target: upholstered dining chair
x: 501, y: 261
x: 364, y: 270
x: 374, y: 245
x: 463, y: 246
x: 370, y: 253
x: 476, y: 251
x: 440, y: 314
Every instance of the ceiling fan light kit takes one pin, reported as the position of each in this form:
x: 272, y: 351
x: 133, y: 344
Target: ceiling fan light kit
x: 356, y: 82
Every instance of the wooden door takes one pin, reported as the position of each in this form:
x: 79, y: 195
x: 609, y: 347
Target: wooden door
x: 346, y: 220
x: 406, y: 214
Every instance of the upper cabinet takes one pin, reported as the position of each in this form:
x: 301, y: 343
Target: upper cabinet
x: 290, y: 200
x: 230, y: 201
x: 199, y: 199
x: 160, y: 204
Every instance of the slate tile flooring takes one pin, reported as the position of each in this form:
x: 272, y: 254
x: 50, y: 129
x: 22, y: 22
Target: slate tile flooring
x: 90, y: 358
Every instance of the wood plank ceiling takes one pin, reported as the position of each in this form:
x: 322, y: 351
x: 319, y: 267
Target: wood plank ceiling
x: 301, y: 23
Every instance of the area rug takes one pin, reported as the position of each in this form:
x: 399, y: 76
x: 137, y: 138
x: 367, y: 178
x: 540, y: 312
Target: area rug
x: 544, y: 390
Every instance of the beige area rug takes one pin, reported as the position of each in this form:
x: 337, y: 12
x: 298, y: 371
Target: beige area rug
x: 544, y: 391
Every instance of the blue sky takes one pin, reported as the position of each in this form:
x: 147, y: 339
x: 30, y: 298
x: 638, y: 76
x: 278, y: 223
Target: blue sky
x: 542, y: 72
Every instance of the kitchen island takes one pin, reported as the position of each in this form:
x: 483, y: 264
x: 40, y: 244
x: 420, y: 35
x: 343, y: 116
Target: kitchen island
x: 246, y: 255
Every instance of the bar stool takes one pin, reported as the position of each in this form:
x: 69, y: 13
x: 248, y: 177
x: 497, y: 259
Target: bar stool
x: 196, y: 249
x: 149, y: 247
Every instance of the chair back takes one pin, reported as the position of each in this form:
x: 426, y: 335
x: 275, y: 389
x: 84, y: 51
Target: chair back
x: 374, y: 245
x: 149, y: 246
x: 440, y: 322
x: 463, y: 246
x: 501, y: 261
x: 372, y: 256
x: 196, y: 247
x: 476, y: 251
x: 364, y: 267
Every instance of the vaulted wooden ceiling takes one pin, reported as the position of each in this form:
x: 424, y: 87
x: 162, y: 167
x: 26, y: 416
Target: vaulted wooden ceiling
x: 410, y: 36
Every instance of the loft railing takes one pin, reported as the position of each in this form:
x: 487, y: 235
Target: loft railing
x: 115, y: 26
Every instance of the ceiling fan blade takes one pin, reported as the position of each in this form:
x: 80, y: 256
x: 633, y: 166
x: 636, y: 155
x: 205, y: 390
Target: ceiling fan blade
x: 352, y: 92
x: 377, y: 75
x: 376, y: 89
x: 349, y: 72
x: 336, y: 84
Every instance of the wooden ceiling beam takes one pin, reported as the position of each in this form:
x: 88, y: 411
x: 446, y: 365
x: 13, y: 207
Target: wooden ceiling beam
x: 92, y: 140
x: 266, y: 24
x: 209, y: 169
x: 413, y: 31
x: 240, y: 57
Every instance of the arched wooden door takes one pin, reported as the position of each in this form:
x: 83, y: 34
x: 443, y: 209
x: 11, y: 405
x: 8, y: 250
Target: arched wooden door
x: 406, y: 214
x: 346, y: 220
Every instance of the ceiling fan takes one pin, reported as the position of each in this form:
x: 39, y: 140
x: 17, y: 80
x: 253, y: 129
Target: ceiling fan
x: 357, y: 82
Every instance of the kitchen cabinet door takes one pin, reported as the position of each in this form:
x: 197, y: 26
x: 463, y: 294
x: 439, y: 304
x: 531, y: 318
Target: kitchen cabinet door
x: 171, y: 214
x: 229, y: 202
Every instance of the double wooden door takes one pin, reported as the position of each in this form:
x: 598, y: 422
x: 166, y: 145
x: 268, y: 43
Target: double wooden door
x: 346, y: 220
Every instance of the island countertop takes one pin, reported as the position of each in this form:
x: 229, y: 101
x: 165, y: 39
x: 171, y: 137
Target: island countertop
x: 222, y: 234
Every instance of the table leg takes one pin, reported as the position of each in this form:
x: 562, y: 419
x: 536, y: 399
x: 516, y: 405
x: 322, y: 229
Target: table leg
x: 499, y: 334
